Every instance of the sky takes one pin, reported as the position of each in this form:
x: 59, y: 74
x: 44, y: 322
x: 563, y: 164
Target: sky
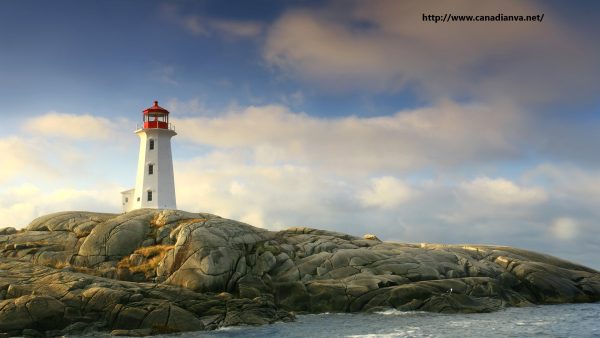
x: 352, y: 116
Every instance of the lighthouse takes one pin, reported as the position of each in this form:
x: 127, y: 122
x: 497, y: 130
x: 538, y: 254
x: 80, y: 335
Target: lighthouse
x: 154, y: 184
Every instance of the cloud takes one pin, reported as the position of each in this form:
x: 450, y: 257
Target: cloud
x: 21, y: 158
x: 490, y: 202
x: 445, y: 134
x: 56, y: 162
x: 70, y: 126
x: 500, y: 191
x: 65, y: 145
x: 499, y: 210
x: 245, y: 29
x: 21, y: 204
x: 386, y: 46
x: 164, y: 74
x: 194, y: 106
x: 564, y: 228
x: 205, y: 26
x: 194, y: 25
x: 569, y: 182
x: 294, y: 99
x: 262, y: 194
x: 386, y: 193
x: 237, y: 189
x: 424, y: 174
x: 271, y: 167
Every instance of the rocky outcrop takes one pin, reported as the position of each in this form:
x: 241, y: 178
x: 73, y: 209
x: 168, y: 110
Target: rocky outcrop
x: 62, y: 301
x: 7, y: 231
x: 153, y: 271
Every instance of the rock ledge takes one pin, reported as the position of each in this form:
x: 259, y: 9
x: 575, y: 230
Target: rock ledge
x: 161, y: 271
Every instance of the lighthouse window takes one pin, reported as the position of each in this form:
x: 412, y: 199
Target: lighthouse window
x: 151, y: 144
x: 150, y: 169
x: 149, y: 196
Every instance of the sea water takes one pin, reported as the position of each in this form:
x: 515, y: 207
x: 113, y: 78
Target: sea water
x: 571, y: 320
x: 568, y: 320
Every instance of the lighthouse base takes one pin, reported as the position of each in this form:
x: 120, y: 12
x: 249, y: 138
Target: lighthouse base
x: 127, y: 197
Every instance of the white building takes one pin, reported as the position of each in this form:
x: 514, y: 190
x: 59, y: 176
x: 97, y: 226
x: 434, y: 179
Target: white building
x: 154, y: 184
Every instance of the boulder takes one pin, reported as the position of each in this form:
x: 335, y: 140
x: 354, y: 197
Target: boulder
x: 7, y: 231
x: 95, y: 303
x: 31, y: 311
x: 118, y: 236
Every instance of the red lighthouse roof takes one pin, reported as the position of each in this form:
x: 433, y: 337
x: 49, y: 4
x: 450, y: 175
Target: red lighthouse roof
x: 156, y: 109
x: 156, y: 117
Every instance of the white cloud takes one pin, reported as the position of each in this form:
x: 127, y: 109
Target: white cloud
x: 192, y: 106
x: 274, y: 168
x: 385, y: 192
x: 61, y: 148
x: 70, y: 126
x: 237, y: 189
x: 58, y: 162
x: 21, y: 158
x: 254, y: 218
x: 445, y: 134
x: 224, y: 183
x: 500, y: 191
x: 569, y: 181
x: 499, y: 210
x: 386, y: 45
x: 21, y: 204
x: 564, y: 228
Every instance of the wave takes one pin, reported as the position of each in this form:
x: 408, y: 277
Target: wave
x: 395, y: 312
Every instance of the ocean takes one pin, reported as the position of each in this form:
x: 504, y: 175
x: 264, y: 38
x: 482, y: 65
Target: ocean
x: 570, y: 320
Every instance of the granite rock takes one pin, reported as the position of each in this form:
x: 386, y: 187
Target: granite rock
x: 162, y: 271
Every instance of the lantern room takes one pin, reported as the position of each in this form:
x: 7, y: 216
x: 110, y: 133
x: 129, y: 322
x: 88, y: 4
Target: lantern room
x: 156, y: 117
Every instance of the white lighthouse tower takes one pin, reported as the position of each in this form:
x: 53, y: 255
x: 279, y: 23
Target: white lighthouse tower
x: 154, y: 184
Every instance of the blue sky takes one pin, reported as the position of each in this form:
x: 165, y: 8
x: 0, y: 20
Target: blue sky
x: 345, y: 115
